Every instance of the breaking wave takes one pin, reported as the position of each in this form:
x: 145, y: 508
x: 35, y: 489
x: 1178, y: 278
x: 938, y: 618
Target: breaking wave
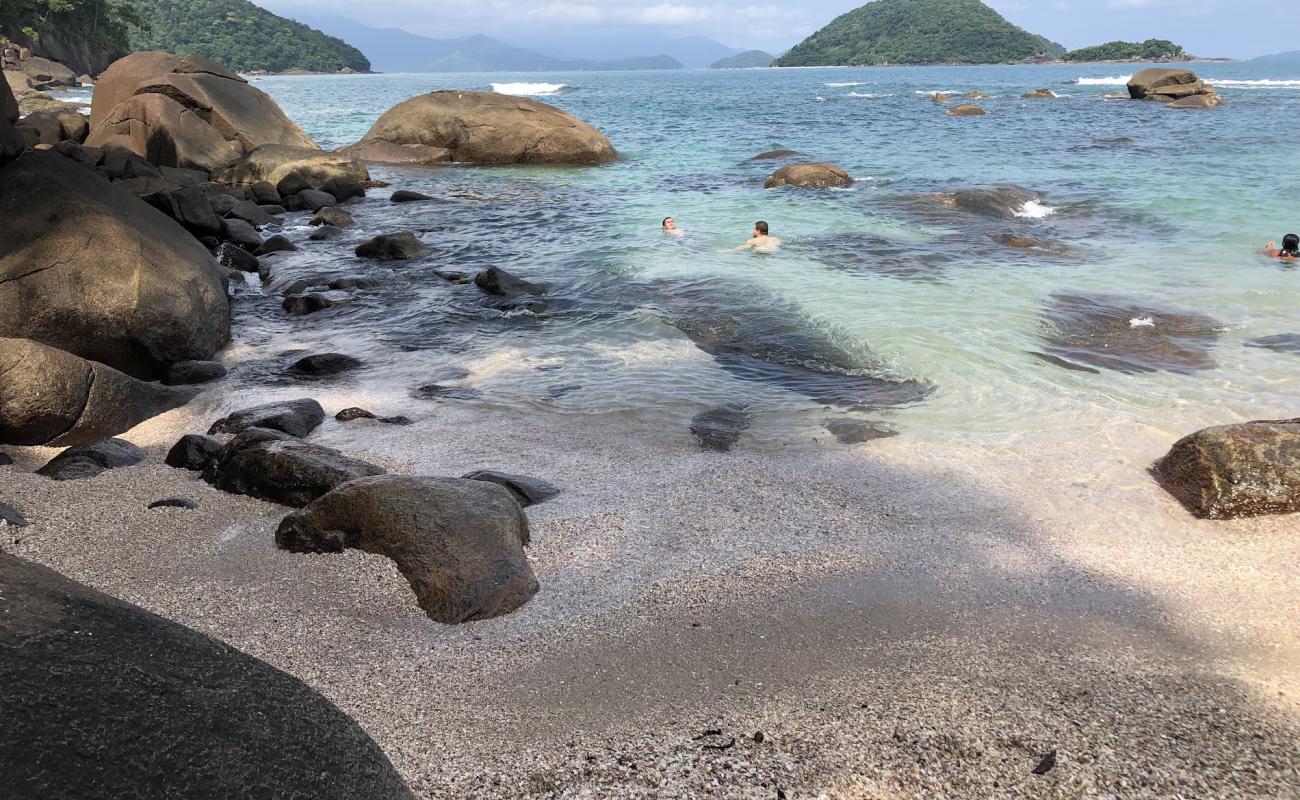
x: 528, y: 88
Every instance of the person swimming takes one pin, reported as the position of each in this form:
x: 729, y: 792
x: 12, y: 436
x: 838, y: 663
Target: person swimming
x: 761, y: 241
x: 1289, y: 250
x: 670, y: 227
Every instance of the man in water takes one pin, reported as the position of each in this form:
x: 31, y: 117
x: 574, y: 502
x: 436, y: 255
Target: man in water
x: 670, y: 227
x: 1290, y: 249
x: 761, y: 241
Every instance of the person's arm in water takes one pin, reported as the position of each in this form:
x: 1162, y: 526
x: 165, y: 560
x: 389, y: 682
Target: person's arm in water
x: 747, y: 245
x: 1270, y: 249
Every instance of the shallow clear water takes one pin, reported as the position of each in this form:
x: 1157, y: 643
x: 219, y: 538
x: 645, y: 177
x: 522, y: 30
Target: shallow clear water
x: 917, y: 311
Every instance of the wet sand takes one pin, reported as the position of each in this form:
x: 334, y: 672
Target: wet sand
x: 899, y: 619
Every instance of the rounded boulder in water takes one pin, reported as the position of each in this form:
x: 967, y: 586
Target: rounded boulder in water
x: 392, y: 247
x: 809, y: 176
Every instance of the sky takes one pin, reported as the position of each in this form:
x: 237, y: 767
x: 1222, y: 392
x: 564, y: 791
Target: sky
x: 1210, y: 28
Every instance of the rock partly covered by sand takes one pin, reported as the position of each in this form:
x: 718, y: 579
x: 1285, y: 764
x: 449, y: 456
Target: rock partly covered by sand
x: 809, y: 176
x: 489, y: 128
x: 88, y: 268
x: 1239, y: 470
x: 51, y: 397
x: 104, y: 699
x: 460, y: 543
x: 89, y: 460
x: 528, y: 491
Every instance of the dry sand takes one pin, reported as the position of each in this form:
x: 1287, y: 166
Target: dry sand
x: 899, y: 619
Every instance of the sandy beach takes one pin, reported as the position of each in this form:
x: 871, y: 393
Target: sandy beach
x: 899, y: 619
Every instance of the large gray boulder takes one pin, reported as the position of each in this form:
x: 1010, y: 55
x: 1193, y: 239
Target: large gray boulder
x: 88, y: 268
x: 1239, y: 470
x: 460, y: 543
x: 489, y: 128
x: 49, y: 397
x: 275, y: 466
x: 103, y: 699
x: 165, y: 132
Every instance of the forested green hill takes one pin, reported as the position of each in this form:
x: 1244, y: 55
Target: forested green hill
x: 918, y: 32
x: 1150, y: 50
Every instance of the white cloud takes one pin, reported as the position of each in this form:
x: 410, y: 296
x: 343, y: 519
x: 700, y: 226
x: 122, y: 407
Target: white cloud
x: 585, y: 13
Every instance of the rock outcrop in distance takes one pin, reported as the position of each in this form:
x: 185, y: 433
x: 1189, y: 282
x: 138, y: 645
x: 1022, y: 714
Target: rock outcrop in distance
x: 1177, y: 87
x: 104, y: 699
x: 489, y: 128
x: 918, y: 32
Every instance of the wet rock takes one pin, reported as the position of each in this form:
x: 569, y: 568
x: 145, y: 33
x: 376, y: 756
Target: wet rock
x: 1039, y: 94
x: 193, y: 451
x: 1112, y: 333
x: 264, y: 193
x: 1062, y: 363
x: 496, y: 281
x: 275, y: 244
x: 241, y: 233
x: 185, y: 373
x: 294, y: 417
x: 302, y: 304
x: 343, y: 189
x: 105, y: 700
x: 720, y: 428
x: 314, y: 200
x: 324, y: 233
x: 252, y: 213
x: 490, y: 128
x: 290, y: 169
x: 809, y: 176
x: 1018, y: 241
x: 459, y: 543
x: 406, y: 196
x: 325, y: 364
x: 528, y: 491
x: 174, y: 502
x: 291, y: 183
x: 331, y: 216
x: 274, y: 466
x: 352, y: 282
x: 857, y: 431
x: 350, y: 414
x: 775, y: 155
x: 433, y: 391
x: 975, y: 96
x: 1231, y: 471
x: 1001, y: 202
x: 392, y: 247
x: 89, y: 460
x: 233, y: 256
x: 965, y: 110
x: 1281, y: 343
x: 1203, y: 100
x: 50, y: 397
x: 374, y: 151
x: 397, y: 419
x: 10, y: 516
x: 939, y: 97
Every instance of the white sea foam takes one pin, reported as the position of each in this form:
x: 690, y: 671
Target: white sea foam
x: 528, y: 88
x: 843, y: 85
x: 865, y: 94
x: 1263, y: 83
x: 1033, y: 209
x: 820, y: 99
x: 1114, y: 80
x: 1141, y: 322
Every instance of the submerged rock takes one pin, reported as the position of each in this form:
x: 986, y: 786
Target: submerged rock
x: 103, y: 699
x: 184, y: 373
x: 1230, y: 471
x: 809, y: 176
x: 275, y: 466
x: 193, y: 452
x: 331, y: 215
x: 325, y: 364
x: 857, y: 431
x: 1040, y: 94
x: 720, y: 428
x: 528, y: 491
x: 275, y: 244
x: 498, y: 282
x: 324, y: 233
x: 294, y: 417
x: 1000, y: 202
x: 1115, y: 334
x: 392, y: 247
x: 407, y: 196
x: 460, y: 543
x: 774, y: 155
x: 1281, y: 343
x: 965, y: 110
x: 89, y: 460
x: 302, y: 304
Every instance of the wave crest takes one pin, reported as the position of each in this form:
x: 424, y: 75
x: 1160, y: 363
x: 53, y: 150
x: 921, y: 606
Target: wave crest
x: 528, y: 88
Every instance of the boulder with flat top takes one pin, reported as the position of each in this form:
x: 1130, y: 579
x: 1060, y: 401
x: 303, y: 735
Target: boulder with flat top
x: 1172, y: 85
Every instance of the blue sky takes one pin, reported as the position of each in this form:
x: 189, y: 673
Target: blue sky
x: 1234, y: 28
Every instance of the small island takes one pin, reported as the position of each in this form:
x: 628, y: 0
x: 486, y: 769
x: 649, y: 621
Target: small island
x: 750, y: 59
x: 1160, y: 50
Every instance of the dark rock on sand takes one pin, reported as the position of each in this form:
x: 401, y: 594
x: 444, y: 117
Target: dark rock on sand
x: 294, y: 417
x: 857, y: 431
x: 392, y: 247
x: 459, y: 543
x: 809, y: 176
x: 1281, y: 343
x: 1113, y: 333
x: 496, y: 281
x: 275, y: 466
x: 489, y: 128
x: 233, y: 256
x: 720, y: 428
x: 1230, y: 471
x: 325, y: 364
x: 185, y: 373
x: 331, y: 216
x: 89, y: 460
x: 174, y: 502
x: 275, y: 244
x: 5, y: 460
x: 350, y: 414
x: 10, y: 516
x: 528, y: 491
x: 193, y: 451
x: 324, y: 233
x: 50, y: 397
x: 105, y: 700
x: 406, y: 196
x: 90, y: 269
x: 302, y: 304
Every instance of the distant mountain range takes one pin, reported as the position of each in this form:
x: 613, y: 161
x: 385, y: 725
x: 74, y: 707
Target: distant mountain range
x: 749, y: 59
x: 1291, y: 57
x: 396, y: 50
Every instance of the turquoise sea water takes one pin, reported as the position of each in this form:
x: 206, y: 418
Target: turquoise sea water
x: 1148, y: 213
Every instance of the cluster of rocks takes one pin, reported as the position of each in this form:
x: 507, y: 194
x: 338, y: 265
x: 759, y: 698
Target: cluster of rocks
x: 25, y: 71
x: 1176, y: 87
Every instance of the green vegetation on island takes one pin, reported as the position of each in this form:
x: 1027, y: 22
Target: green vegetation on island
x: 98, y: 24
x: 240, y: 35
x: 919, y: 32
x: 746, y: 60
x: 1150, y: 50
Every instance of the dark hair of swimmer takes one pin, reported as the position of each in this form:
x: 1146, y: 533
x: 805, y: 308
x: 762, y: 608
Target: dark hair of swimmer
x: 665, y: 222
x: 1290, y: 245
x: 761, y: 227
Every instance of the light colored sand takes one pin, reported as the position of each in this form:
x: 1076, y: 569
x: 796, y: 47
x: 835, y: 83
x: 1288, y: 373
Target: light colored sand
x: 900, y: 619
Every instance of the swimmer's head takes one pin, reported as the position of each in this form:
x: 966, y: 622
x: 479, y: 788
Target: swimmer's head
x: 760, y: 228
x: 669, y: 224
x: 1291, y: 244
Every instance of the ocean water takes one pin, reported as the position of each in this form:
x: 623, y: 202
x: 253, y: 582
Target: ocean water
x: 1138, y: 303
